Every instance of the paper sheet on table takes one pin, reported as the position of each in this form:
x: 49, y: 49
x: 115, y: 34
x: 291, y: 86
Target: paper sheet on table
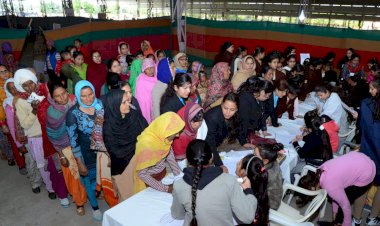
x: 304, y: 56
x: 168, y: 220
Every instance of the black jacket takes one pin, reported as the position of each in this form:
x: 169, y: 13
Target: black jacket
x: 217, y: 131
x: 171, y: 104
x: 270, y: 110
x: 252, y: 116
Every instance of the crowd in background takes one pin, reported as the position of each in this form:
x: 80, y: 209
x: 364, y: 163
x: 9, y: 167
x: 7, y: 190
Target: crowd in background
x: 97, y: 129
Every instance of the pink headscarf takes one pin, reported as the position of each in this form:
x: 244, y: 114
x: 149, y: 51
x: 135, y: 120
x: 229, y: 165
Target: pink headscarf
x: 144, y: 87
x: 218, y: 86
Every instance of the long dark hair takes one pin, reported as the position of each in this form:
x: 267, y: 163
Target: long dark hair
x: 234, y: 122
x: 198, y: 154
x: 239, y: 50
x: 255, y: 85
x: 258, y: 50
x: 270, y: 151
x: 180, y: 80
x: 258, y: 176
x: 110, y: 62
x: 376, y: 99
x: 314, y: 122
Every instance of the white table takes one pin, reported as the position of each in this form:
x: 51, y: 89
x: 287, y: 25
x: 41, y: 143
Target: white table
x: 150, y: 207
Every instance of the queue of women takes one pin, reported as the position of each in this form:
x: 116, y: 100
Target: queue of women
x: 110, y: 130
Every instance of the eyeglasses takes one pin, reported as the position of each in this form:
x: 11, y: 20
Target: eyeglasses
x: 3, y: 72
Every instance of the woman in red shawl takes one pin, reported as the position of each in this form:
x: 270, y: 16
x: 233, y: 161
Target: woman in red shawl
x: 219, y: 85
x: 96, y: 72
x: 192, y: 115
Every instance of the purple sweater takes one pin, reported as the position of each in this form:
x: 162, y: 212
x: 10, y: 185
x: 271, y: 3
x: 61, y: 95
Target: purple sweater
x: 352, y: 169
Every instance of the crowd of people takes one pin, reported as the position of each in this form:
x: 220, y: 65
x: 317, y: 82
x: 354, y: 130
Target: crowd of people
x: 111, y: 130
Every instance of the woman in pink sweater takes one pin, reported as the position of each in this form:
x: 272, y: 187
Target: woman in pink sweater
x: 346, y: 179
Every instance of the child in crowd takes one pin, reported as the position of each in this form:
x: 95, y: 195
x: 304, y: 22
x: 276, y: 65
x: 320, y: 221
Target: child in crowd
x: 198, y: 196
x: 268, y: 154
x: 253, y: 167
x: 333, y: 130
x: 203, y: 85
x: 289, y: 103
x: 124, y: 51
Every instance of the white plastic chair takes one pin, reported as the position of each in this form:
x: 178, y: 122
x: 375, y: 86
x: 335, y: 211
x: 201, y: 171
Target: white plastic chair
x: 297, y: 178
x: 289, y: 216
x: 346, y: 137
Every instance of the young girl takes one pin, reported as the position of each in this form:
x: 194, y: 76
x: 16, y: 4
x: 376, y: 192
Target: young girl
x: 280, y: 90
x: 332, y: 107
x: 196, y: 67
x: 333, y: 130
x: 192, y: 114
x: 240, y: 53
x: 207, y: 196
x: 289, y: 103
x: 317, y: 147
x: 259, y: 55
x: 273, y: 60
x: 202, y: 86
x: 253, y: 167
x: 176, y: 94
x: 144, y: 86
x: 268, y: 153
x: 346, y: 180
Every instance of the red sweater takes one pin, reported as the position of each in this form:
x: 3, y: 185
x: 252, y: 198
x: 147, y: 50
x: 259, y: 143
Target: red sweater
x: 332, y: 129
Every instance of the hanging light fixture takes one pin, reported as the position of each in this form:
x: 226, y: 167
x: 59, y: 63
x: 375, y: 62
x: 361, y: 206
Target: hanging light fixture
x: 302, y: 17
x: 303, y: 11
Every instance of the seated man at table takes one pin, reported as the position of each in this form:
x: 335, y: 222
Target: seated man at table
x: 207, y: 196
x: 153, y: 153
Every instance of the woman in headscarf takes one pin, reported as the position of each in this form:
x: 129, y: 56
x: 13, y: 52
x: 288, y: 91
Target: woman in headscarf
x: 80, y: 121
x: 192, y: 115
x: 120, y: 116
x: 96, y: 72
x: 153, y: 153
x: 52, y: 59
x: 4, y: 132
x: 219, y: 85
x: 181, y: 63
x: 31, y: 113
x: 146, y: 48
x: 135, y: 72
x: 144, y: 86
x: 165, y: 74
x: 247, y: 70
x: 8, y: 59
x: 18, y: 149
x: 124, y: 51
x: 60, y: 103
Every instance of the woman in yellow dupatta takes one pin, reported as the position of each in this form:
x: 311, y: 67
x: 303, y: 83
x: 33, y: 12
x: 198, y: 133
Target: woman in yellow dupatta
x: 153, y: 152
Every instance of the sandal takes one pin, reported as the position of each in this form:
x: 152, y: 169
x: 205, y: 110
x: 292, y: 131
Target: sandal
x: 80, y: 210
